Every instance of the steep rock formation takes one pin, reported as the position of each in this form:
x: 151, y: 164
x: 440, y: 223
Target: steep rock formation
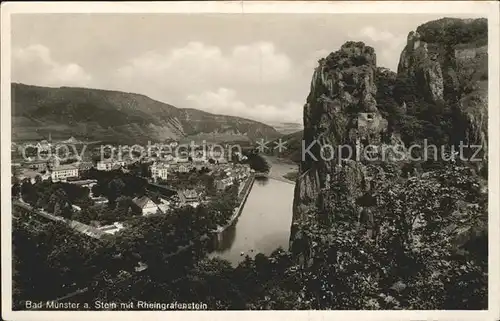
x: 340, y: 113
x: 447, y: 61
x: 440, y: 90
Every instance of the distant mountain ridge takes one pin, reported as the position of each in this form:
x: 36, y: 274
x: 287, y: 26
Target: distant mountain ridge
x: 287, y: 128
x: 119, y: 116
x: 292, y: 147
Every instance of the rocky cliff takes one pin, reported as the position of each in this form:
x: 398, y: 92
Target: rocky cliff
x: 341, y: 110
x: 447, y: 61
x: 439, y: 93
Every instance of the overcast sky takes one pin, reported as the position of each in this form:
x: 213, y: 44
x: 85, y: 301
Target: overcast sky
x: 255, y: 66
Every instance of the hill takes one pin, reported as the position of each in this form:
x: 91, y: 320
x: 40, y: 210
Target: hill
x: 119, y: 116
x: 287, y: 128
x: 292, y: 147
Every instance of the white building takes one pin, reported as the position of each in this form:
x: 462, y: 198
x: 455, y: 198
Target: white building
x: 184, y: 168
x: 221, y: 184
x: 159, y: 170
x: 112, y: 229
x: 107, y: 165
x: 43, y: 146
x: 164, y: 205
x: 89, y: 183
x: 146, y: 205
x: 63, y: 172
x: 167, y: 157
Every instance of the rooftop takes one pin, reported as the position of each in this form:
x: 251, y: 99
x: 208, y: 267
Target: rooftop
x: 36, y: 161
x: 65, y: 167
x: 83, y: 182
x: 28, y: 173
x: 190, y: 193
x: 141, y: 201
x: 161, y: 165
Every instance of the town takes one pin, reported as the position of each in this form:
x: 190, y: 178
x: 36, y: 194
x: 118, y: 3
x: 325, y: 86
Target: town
x: 100, y: 196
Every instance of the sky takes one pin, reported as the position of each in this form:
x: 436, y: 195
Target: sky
x: 257, y: 66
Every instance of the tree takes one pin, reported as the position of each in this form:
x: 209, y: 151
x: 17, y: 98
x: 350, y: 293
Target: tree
x: 123, y: 207
x: 258, y: 163
x: 63, y: 209
x: 210, y: 280
x: 115, y: 188
x: 38, y: 179
x: 16, y: 189
x: 28, y: 193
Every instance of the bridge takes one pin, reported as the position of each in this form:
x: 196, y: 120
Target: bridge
x: 275, y: 177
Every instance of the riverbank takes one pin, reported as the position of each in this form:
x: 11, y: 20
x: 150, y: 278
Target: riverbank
x: 242, y: 198
x: 291, y: 176
x: 264, y: 222
x: 280, y: 167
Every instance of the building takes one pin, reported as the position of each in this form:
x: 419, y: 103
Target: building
x: 369, y: 124
x: 37, y: 165
x: 181, y: 160
x: 241, y: 175
x: 163, y: 205
x: 99, y: 200
x: 221, y: 161
x: 53, y: 162
x: 167, y: 157
x: 240, y: 156
x: 71, y: 140
x: 182, y: 168
x: 43, y: 146
x: 108, y: 164
x: 222, y: 184
x: 159, y: 170
x: 116, y: 166
x: 84, y: 166
x: 173, y: 144
x: 89, y: 183
x: 27, y: 173
x: 189, y: 196
x: 141, y: 267
x: 465, y: 53
x: 145, y: 205
x: 63, y: 172
x: 215, y: 153
x: 112, y: 229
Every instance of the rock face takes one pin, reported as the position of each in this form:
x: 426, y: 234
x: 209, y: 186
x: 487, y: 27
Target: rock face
x: 417, y: 64
x: 352, y: 103
x: 341, y: 112
x: 447, y: 60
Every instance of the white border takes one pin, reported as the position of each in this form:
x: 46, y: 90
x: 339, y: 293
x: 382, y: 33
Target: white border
x: 489, y: 9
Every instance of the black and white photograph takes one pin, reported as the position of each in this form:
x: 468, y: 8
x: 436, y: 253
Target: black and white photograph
x: 229, y: 156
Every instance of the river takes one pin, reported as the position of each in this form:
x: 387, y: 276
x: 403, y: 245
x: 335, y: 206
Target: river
x: 264, y: 224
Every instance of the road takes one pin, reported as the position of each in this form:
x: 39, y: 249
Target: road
x: 77, y: 226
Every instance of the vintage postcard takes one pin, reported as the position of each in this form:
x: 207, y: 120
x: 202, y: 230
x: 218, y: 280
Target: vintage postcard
x: 200, y: 161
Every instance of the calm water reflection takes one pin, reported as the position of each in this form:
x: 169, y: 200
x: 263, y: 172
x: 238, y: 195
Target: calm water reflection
x: 264, y: 224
